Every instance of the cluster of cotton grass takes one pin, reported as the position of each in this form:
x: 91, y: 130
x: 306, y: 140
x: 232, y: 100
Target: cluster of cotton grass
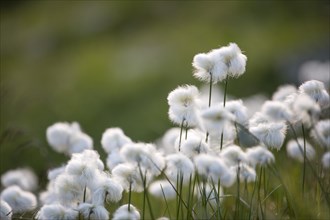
x: 219, y: 152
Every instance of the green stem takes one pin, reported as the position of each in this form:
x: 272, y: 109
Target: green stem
x: 325, y: 193
x: 166, y: 203
x: 84, y: 197
x: 181, y: 128
x: 259, y: 197
x: 129, y: 196
x: 304, y: 165
x: 238, y: 192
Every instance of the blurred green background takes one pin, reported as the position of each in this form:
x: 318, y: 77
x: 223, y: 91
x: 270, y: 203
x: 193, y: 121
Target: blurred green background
x: 113, y: 63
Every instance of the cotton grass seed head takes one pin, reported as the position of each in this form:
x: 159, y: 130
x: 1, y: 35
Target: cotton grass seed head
x: 144, y: 155
x: 321, y: 133
x: 113, y: 139
x: 276, y: 111
x: 271, y: 134
x: 237, y: 108
x: 259, y: 155
x: 326, y: 160
x: 246, y: 173
x: 233, y: 155
x: 213, y: 168
x: 56, y: 212
x: 19, y: 200
x: 68, y: 189
x: 161, y: 188
x: 296, y: 151
x: 114, y: 159
x: 122, y: 213
x: 179, y: 166
x: 315, y: 89
x: 183, y: 104
x: 5, y: 211
x: 215, y: 118
x: 106, y: 189
x: 68, y: 138
x: 93, y: 212
x: 305, y: 109
x: 283, y: 92
x: 127, y: 174
x: 25, y: 178
x: 193, y: 146
x: 204, y: 66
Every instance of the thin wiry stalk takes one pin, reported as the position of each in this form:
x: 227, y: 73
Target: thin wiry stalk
x: 259, y: 198
x: 181, y: 128
x: 251, y: 201
x: 176, y: 191
x: 189, y: 192
x: 238, y: 193
x: 84, y: 197
x: 224, y: 105
x: 167, y: 208
x: 217, y: 195
x: 287, y: 194
x: 179, y: 186
x: 210, y: 98
x: 304, y: 164
x: 129, y: 196
x: 144, y: 195
x: 310, y: 165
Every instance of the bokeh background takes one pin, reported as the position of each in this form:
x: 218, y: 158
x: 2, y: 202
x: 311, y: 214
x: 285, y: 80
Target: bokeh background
x: 112, y: 63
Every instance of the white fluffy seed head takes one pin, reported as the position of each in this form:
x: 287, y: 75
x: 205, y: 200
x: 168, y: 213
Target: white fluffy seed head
x: 114, y: 159
x: 305, y: 109
x: 68, y: 189
x: 193, y: 146
x: 246, y: 173
x: 259, y: 155
x: 271, y: 134
x: 326, y: 160
x: 56, y: 212
x: 232, y: 155
x: 58, y: 136
x: 204, y: 66
x: 179, y: 166
x: 5, y: 211
x: 321, y: 133
x: 168, y: 140
x: 25, y: 178
x: 237, y: 108
x: 79, y: 142
x: 215, y: 118
x: 161, y: 188
x: 183, y: 105
x: 315, y: 89
x: 144, y: 155
x: 55, y: 172
x: 18, y: 199
x: 107, y: 189
x: 113, y: 139
x: 296, y: 151
x: 127, y: 174
x: 122, y: 213
x: 68, y: 138
x: 211, y: 167
x: 93, y: 212
x: 276, y: 111
x: 283, y: 92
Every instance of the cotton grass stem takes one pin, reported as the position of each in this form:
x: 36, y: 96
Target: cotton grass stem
x: 304, y: 164
x: 181, y: 129
x: 325, y: 193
